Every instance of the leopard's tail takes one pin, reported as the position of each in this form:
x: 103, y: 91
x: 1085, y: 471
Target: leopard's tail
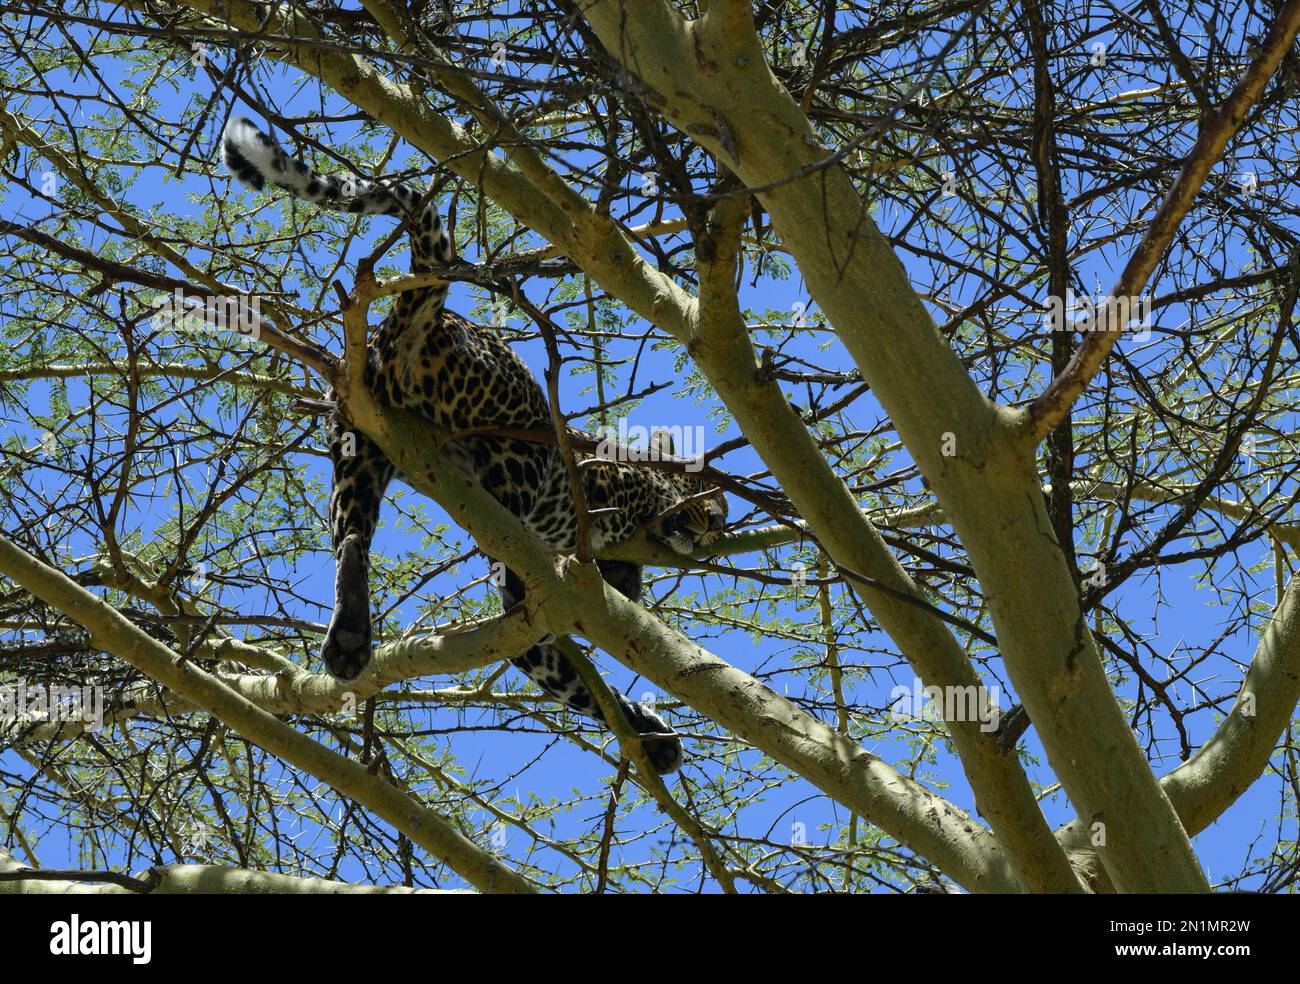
x: 257, y: 160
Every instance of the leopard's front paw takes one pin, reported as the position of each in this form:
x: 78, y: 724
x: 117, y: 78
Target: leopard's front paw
x: 346, y: 650
x: 665, y: 754
x: 663, y: 746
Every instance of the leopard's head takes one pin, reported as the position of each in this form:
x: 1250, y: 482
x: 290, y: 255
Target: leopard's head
x: 696, y: 513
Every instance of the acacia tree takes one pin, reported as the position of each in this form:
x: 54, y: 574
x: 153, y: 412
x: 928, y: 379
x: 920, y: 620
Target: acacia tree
x: 928, y: 477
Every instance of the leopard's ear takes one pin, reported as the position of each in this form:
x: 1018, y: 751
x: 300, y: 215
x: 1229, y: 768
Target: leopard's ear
x: 661, y: 444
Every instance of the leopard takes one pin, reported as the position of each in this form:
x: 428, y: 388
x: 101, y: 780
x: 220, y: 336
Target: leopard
x: 468, y: 380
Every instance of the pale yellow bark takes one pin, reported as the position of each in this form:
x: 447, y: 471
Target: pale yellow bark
x: 113, y: 633
x: 199, y: 879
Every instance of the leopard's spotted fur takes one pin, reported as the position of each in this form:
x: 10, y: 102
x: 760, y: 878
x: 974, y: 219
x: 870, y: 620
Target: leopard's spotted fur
x: 463, y: 377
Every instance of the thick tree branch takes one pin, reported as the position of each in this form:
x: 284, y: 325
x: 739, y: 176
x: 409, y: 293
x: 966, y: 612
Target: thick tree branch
x: 723, y: 350
x: 184, y: 879
x: 112, y: 632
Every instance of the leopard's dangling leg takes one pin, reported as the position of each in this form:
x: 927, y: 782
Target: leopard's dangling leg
x: 361, y: 474
x: 553, y: 672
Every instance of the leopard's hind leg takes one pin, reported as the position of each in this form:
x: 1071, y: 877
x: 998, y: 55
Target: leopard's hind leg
x: 361, y: 475
x: 552, y: 671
